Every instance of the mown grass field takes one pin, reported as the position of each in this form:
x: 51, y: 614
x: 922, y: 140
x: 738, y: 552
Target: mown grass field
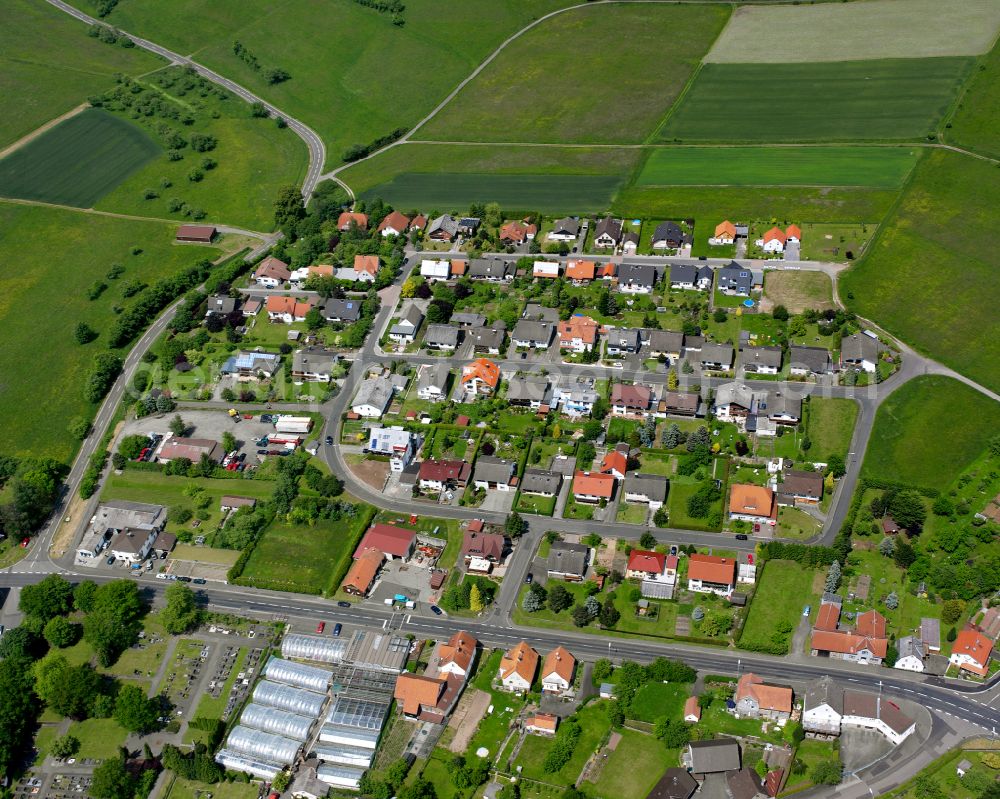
x: 355, y: 76
x: 929, y: 430
x: 50, y: 258
x: 561, y: 82
x: 781, y: 594
x: 634, y: 768
x: 871, y: 167
x: 798, y: 291
x: 830, y: 427
x: 974, y: 124
x: 931, y: 276
x: 853, y: 100
x: 853, y: 31
x: 48, y: 66
x: 78, y: 161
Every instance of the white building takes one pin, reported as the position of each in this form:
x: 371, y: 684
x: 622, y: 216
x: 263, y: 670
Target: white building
x: 399, y: 444
x: 911, y: 654
x: 435, y: 269
x: 373, y: 397
x: 545, y: 269
x: 823, y: 707
x: 873, y: 712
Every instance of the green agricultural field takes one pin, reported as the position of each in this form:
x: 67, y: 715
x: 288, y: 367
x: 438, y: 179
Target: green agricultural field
x: 871, y: 167
x: 974, y: 124
x: 51, y: 258
x: 355, y: 76
x: 253, y: 160
x: 78, y: 161
x: 928, y: 431
x: 782, y: 591
x: 562, y: 82
x: 853, y: 100
x: 853, y: 31
x: 830, y: 427
x: 48, y: 66
x: 930, y: 277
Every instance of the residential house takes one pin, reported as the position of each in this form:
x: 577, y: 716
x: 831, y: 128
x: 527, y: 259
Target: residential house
x: 804, y: 487
x: 405, y: 329
x: 650, y: 489
x: 823, y: 707
x: 630, y: 242
x: 517, y: 233
x: 349, y: 219
x: 314, y: 365
x: 444, y: 228
x: 756, y: 699
x: 631, y: 400
x: 558, y: 669
x: 608, y: 233
x: 711, y: 574
x: 745, y: 784
x: 400, y: 445
x: 761, y: 360
x: 912, y: 654
x: 361, y: 576
x: 541, y: 482
x: 174, y: 447
x: 442, y: 338
x: 735, y: 279
x: 546, y: 270
x: 286, y: 309
x: 971, y: 651
x: 875, y: 713
x: 249, y: 366
x: 341, y: 311
x: 805, y: 361
x: 302, y: 275
x: 725, y: 233
x: 793, y: 234
x: 373, y: 397
x: 930, y: 634
x: 541, y: 724
x: 774, y: 240
x: 456, y: 657
x: 220, y: 305
x: 395, y: 543
x: 468, y: 321
x: 578, y: 333
x: 540, y: 313
x: 440, y: 475
x: 623, y: 341
x: 394, y: 224
x: 677, y: 403
x: 485, y: 546
x: 734, y: 402
x: 566, y: 229
x: 419, y: 222
x: 712, y: 757
x: 866, y: 644
x: 365, y: 269
x: 271, y: 273
x: 615, y: 462
x: 480, y: 378
x: 592, y: 487
x: 567, y: 561
x: 675, y: 783
x: 432, y: 384
x: 468, y: 225
x: 690, y: 277
x: 860, y: 351
x: 782, y: 408
x: 232, y: 502
x: 716, y: 356
x: 418, y: 695
x: 528, y: 334
x: 575, y: 398
x: 529, y: 392
x: 435, y: 269
x: 489, y: 340
x: 652, y: 567
x: 666, y: 342
x: 493, y: 270
x: 636, y: 278
x: 668, y: 235
x: 132, y: 545
x: 494, y: 473
x: 517, y: 668
x: 580, y: 272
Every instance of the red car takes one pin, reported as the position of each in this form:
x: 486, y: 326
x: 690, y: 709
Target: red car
x: 142, y: 455
x: 321, y: 626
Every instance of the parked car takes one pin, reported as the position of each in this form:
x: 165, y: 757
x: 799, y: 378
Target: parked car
x: 436, y: 610
x: 163, y: 576
x: 183, y: 579
x: 806, y: 610
x: 142, y: 455
x: 337, y: 628
x: 199, y: 581
x: 529, y: 577
x: 741, y: 536
x: 320, y: 627
x: 673, y: 550
x: 111, y: 559
x: 329, y: 441
x: 343, y: 604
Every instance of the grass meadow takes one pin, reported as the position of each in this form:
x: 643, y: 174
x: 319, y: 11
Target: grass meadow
x: 355, y: 76
x: 48, y: 66
x: 853, y: 100
x: 930, y: 275
x: 782, y: 591
x: 798, y: 291
x: 929, y: 430
x: 870, y: 167
x: 974, y: 124
x: 830, y: 426
x: 78, y: 161
x: 51, y: 257
x: 562, y: 82
x: 856, y: 31
x: 634, y: 768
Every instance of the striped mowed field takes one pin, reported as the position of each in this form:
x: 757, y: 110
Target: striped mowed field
x: 78, y: 161
x: 867, y: 166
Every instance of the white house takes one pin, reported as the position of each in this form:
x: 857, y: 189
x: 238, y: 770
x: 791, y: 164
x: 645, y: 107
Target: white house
x: 911, y: 654
x: 545, y: 269
x: 971, y: 652
x: 433, y: 382
x: 132, y: 545
x: 438, y: 269
x: 517, y: 668
x: 373, y: 397
x: 399, y: 444
x: 557, y: 671
x: 823, y: 707
x: 873, y: 712
x: 405, y: 330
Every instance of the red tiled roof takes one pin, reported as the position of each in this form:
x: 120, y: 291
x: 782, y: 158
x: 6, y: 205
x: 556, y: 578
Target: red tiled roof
x: 345, y: 219
x: 522, y: 660
x: 793, y: 231
x: 485, y: 545
x: 578, y: 327
x: 769, y: 697
x: 641, y: 560
x: 593, y: 485
x: 616, y: 461
x: 272, y: 267
x: 775, y: 233
x: 580, y: 270
x: 828, y: 617
x: 289, y: 305
x: 366, y: 263
x: 631, y: 396
x: 396, y: 221
x: 559, y: 661
x: 847, y: 642
x: 974, y: 644
x: 458, y: 267
x: 691, y: 707
x: 442, y: 471
x: 460, y: 650
x: 712, y: 569
x: 395, y: 541
x: 752, y: 500
x: 726, y: 227
x: 363, y: 572
x: 413, y: 691
x: 484, y: 369
x: 870, y: 623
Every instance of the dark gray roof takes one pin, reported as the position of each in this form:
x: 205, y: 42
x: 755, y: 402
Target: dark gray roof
x: 745, y: 784
x: 494, y: 470
x: 441, y: 335
x: 542, y: 481
x: 492, y: 267
x: 761, y: 356
x: 221, y: 304
x: 683, y: 273
x: 344, y: 310
x: 624, y: 338
x: 609, y: 226
x: 540, y: 313
x: 528, y: 388
x: 435, y: 375
x: 569, y: 226
x: 317, y: 361
x: 666, y: 341
x: 668, y: 231
x: 824, y: 691
x: 637, y: 275
x: 716, y: 353
x: 568, y: 558
x: 815, y: 359
x: 652, y: 486
x: 860, y: 347
x: 736, y: 278
x: 489, y: 337
x: 675, y: 783
x: 527, y: 330
x: 911, y: 646
x: 412, y: 316
x: 779, y: 404
x: 468, y: 319
x: 709, y: 757
x: 445, y: 223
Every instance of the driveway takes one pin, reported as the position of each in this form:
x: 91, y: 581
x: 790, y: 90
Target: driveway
x: 500, y: 501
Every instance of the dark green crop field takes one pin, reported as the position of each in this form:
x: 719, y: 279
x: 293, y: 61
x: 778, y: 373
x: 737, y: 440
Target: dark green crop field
x: 78, y: 161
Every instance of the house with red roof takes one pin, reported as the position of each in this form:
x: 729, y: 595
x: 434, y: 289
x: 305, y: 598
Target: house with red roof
x: 365, y: 268
x: 971, y: 651
x: 615, y: 463
x: 286, y: 309
x: 631, y: 400
x: 866, y: 643
x: 271, y: 273
x: 438, y: 475
x: 480, y: 378
x: 725, y: 233
x: 592, y: 487
x: 578, y: 333
x: 395, y: 224
x: 393, y: 542
x: 515, y: 233
x: 643, y: 564
x: 348, y: 219
x: 774, y: 240
x: 710, y: 574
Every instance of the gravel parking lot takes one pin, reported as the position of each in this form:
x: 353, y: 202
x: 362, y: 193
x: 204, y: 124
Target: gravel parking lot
x: 209, y: 424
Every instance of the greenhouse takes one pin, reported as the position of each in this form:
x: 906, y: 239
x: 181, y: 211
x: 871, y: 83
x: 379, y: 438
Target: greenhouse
x: 298, y: 674
x: 287, y: 697
x: 332, y: 734
x: 346, y: 755
x: 340, y: 776
x: 314, y: 647
x: 358, y: 713
x: 233, y: 761
x: 279, y: 722
x: 262, y: 746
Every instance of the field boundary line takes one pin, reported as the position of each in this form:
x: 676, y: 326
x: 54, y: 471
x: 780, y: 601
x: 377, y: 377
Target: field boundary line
x: 29, y: 137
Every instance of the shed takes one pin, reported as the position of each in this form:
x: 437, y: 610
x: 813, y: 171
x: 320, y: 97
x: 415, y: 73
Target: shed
x: 199, y: 234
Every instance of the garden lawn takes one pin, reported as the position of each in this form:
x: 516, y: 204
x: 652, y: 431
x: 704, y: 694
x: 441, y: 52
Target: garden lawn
x: 858, y: 100
x: 677, y: 506
x: 927, y: 277
x: 78, y: 161
x: 594, y: 724
x: 840, y: 243
x: 799, y: 291
x: 636, y: 765
x: 49, y: 66
x: 656, y: 699
x: 811, y: 752
x: 830, y: 427
x: 797, y: 524
x: 99, y: 738
x: 51, y: 258
x: 902, y: 447
x: 530, y: 503
x: 782, y: 591
x: 189, y: 789
x: 632, y: 512
x: 540, y: 89
x: 873, y: 167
